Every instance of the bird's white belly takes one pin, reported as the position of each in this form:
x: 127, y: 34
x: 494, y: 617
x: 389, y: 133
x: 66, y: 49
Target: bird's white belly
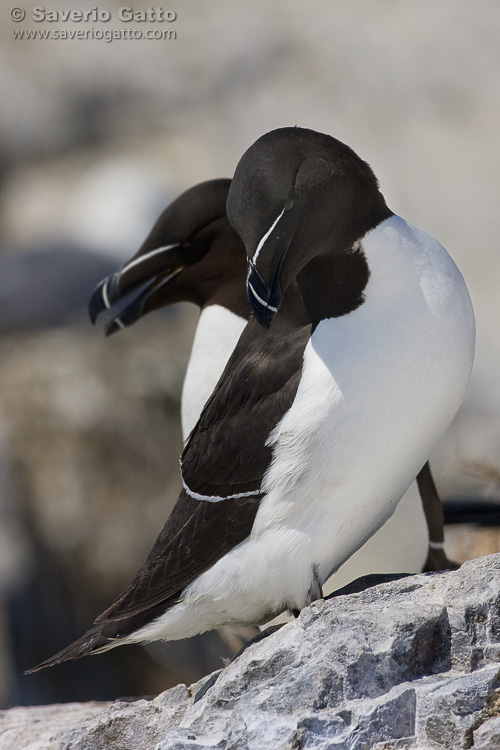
x: 401, y: 545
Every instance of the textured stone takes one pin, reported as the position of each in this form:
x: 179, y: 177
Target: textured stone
x: 407, y: 664
x: 487, y: 737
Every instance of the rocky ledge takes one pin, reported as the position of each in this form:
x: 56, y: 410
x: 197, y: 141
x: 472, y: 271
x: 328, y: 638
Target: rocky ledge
x: 407, y: 664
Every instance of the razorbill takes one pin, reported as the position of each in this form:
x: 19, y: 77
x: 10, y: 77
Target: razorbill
x: 352, y: 366
x: 213, y: 277
x: 192, y: 254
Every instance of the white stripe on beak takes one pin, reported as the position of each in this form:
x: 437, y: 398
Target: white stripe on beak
x: 261, y: 301
x: 264, y: 238
x: 105, y: 294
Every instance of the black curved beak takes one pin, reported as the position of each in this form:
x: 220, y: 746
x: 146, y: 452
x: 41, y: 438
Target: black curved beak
x: 107, y: 294
x: 265, y: 297
x: 141, y: 276
x: 104, y: 296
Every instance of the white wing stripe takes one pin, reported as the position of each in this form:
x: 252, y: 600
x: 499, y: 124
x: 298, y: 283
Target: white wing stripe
x: 216, y: 498
x: 436, y: 545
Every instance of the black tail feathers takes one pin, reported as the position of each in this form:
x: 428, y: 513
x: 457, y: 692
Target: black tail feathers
x: 93, y: 642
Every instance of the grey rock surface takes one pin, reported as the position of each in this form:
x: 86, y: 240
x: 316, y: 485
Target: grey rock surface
x: 487, y: 736
x: 407, y: 664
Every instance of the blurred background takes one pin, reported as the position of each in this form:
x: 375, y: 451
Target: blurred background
x: 96, y: 138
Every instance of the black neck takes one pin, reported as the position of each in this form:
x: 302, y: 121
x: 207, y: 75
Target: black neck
x: 332, y: 284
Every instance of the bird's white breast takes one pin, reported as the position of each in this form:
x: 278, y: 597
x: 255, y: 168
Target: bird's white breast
x: 379, y: 387
x: 216, y: 336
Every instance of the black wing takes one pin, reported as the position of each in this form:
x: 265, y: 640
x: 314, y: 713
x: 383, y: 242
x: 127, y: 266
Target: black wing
x: 226, y: 453
x: 184, y: 550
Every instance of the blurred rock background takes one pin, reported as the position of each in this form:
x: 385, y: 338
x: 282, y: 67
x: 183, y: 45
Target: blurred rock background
x: 95, y: 139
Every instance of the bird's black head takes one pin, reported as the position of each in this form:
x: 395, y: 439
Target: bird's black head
x: 296, y: 195
x: 191, y: 254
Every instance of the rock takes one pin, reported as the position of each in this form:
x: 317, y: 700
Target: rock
x: 487, y: 736
x: 407, y: 664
